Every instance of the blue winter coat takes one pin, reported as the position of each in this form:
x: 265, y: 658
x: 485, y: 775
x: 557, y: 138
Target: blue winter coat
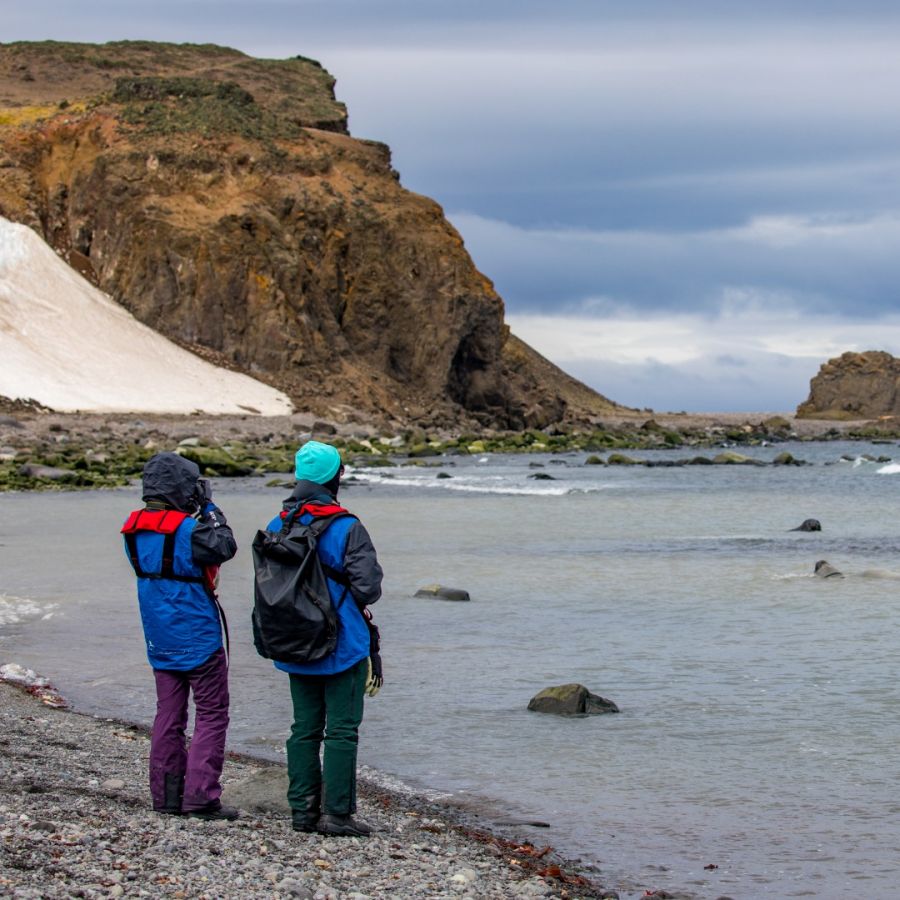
x: 180, y: 618
x: 346, y: 547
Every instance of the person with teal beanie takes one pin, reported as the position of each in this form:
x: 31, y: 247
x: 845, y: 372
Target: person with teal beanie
x: 327, y: 695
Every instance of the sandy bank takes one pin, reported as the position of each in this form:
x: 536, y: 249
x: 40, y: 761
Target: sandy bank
x: 75, y: 822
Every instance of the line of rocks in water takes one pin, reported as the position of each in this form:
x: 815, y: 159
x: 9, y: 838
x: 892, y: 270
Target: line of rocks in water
x: 53, y: 451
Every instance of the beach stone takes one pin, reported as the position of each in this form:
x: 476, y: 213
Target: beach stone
x: 570, y: 700
x: 440, y: 592
x: 263, y: 791
x: 809, y: 525
x: 465, y: 876
x: 113, y: 784
x: 10, y: 422
x: 594, y: 460
x: 50, y: 473
x: 291, y: 887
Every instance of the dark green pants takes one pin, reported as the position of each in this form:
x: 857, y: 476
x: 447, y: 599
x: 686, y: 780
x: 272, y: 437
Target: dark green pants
x: 327, y: 709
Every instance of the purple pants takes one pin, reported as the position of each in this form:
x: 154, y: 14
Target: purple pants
x: 201, y: 764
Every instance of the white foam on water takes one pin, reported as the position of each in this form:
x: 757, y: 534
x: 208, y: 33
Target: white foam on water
x: 395, y: 785
x: 500, y: 485
x: 14, y: 610
x: 890, y: 469
x: 20, y: 675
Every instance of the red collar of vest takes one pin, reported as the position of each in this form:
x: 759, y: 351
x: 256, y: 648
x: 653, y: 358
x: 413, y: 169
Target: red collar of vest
x: 316, y: 510
x: 162, y: 521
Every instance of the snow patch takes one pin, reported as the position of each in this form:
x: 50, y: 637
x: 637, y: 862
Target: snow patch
x: 69, y: 346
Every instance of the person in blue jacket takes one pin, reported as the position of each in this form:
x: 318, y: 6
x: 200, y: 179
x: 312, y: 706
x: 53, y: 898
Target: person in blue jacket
x: 327, y: 695
x: 176, y: 544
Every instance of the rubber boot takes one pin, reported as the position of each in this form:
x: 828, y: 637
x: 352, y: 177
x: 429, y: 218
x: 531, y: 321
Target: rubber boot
x: 174, y: 794
x: 307, y: 818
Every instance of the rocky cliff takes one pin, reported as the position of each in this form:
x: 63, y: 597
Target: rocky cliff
x: 855, y: 386
x: 221, y: 199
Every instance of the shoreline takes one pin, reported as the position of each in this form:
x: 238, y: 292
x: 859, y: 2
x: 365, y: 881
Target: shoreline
x: 64, y: 451
x: 75, y: 820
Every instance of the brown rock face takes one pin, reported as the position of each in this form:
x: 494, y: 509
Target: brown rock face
x: 854, y: 386
x: 220, y: 199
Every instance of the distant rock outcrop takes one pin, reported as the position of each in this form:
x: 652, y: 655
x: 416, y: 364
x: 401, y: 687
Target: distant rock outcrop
x: 221, y: 200
x: 854, y: 386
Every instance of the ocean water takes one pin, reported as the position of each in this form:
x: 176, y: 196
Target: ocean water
x: 760, y: 706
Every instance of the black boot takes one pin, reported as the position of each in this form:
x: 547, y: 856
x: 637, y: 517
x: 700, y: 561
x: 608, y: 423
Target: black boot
x: 307, y: 818
x: 174, y: 794
x: 343, y: 826
x: 215, y: 812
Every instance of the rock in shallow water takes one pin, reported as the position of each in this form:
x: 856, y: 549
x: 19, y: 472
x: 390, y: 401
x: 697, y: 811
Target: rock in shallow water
x: 443, y: 593
x: 570, y: 700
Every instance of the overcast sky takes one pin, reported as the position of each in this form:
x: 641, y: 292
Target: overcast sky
x: 689, y: 205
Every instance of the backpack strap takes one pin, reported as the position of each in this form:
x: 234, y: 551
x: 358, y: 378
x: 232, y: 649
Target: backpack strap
x: 167, y: 522
x: 160, y: 521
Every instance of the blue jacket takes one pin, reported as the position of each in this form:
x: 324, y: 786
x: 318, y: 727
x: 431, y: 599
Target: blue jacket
x: 346, y: 547
x: 180, y: 618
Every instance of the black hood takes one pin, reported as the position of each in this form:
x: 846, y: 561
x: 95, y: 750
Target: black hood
x: 171, y: 479
x: 308, y: 490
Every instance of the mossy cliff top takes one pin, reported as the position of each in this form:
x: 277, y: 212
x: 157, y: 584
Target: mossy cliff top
x: 177, y: 86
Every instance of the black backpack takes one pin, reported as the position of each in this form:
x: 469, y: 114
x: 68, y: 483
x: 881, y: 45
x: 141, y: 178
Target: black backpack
x: 294, y: 619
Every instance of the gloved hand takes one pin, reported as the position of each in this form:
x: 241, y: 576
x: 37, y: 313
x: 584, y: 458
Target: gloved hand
x: 373, y: 681
x: 212, y: 514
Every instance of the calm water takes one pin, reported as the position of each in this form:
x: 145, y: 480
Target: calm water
x: 760, y: 705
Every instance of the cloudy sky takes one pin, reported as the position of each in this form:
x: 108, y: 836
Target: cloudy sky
x: 688, y: 205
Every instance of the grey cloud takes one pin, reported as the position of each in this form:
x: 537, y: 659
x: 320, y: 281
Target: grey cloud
x: 704, y: 386
x: 813, y: 265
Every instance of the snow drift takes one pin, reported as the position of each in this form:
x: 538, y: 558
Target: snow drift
x: 69, y: 346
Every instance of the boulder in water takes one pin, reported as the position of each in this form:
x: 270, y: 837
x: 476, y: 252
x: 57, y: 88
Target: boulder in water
x: 570, y: 700
x: 787, y: 459
x: 731, y: 458
x: 824, y: 569
x: 439, y: 592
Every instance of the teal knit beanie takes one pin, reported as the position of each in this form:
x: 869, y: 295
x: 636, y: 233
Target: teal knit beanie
x: 316, y: 462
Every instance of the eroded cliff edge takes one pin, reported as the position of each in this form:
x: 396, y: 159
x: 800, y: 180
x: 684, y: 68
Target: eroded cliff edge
x: 855, y: 386
x: 221, y: 199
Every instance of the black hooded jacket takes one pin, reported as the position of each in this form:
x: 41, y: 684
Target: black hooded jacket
x: 361, y: 564
x: 170, y: 482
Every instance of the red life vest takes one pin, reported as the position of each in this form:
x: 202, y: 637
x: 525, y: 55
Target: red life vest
x: 165, y: 522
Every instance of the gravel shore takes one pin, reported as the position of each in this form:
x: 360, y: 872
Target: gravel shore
x: 75, y: 822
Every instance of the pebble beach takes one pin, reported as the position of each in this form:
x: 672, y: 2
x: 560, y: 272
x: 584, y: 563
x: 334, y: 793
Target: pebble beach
x: 75, y: 821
